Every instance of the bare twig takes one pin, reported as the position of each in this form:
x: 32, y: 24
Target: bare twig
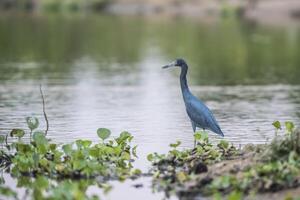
x: 44, y: 110
x: 6, y: 139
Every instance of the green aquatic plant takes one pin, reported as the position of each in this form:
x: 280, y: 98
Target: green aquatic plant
x: 32, y: 123
x: 171, y: 171
x: 41, y: 159
x: 109, y: 158
x: 223, y: 169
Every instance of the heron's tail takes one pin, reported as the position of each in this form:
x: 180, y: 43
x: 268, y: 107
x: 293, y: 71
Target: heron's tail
x: 216, y: 129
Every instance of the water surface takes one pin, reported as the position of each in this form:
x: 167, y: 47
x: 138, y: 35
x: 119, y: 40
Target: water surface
x: 100, y: 71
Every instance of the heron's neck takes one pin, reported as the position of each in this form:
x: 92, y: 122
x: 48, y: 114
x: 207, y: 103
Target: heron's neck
x: 183, y: 82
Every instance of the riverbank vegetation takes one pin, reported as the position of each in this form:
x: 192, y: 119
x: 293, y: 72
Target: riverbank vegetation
x: 223, y: 169
x: 40, y: 166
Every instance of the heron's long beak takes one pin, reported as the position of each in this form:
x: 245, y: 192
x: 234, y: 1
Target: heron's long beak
x: 172, y: 64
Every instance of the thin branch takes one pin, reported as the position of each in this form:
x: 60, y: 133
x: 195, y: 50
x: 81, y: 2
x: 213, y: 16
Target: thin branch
x: 44, y: 110
x: 6, y: 139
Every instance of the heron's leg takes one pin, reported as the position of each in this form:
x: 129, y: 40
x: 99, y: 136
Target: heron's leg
x: 194, y: 130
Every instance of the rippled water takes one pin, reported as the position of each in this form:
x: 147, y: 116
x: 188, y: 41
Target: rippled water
x: 151, y: 109
x: 96, y: 77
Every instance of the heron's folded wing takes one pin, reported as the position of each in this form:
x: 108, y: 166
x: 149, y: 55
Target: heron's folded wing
x: 202, y: 116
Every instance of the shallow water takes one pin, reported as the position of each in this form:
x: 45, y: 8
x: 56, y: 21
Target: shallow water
x: 106, y: 72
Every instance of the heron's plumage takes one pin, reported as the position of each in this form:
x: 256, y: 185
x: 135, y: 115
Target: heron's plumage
x: 199, y: 114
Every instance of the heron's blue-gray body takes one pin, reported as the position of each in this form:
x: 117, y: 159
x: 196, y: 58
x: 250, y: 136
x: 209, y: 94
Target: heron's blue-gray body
x: 198, y: 112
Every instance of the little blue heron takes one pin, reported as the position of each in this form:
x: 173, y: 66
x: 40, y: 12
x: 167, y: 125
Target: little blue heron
x: 198, y: 112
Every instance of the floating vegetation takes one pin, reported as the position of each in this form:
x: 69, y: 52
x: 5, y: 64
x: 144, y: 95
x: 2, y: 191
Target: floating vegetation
x: 223, y: 169
x: 49, y: 170
x: 40, y: 164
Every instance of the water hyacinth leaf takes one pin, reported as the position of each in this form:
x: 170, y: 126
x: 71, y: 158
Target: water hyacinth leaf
x: 79, y: 164
x: 134, y: 151
x: 223, y: 144
x: 197, y: 136
x: 32, y: 123
x: 103, y: 133
x: 150, y: 157
x: 235, y: 195
x: 23, y: 148
x: 94, y: 152
x: 204, y: 135
x: 86, y: 143
x: 67, y: 148
x: 126, y: 156
x: 175, y: 144
x: 136, y: 172
x: 289, y: 126
x: 39, y: 137
x: 53, y: 147
x: 124, y: 137
x: 277, y: 125
x: 17, y: 133
x: 41, y: 182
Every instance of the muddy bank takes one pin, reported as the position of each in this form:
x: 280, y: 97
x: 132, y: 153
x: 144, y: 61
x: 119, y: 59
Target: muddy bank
x: 266, y: 171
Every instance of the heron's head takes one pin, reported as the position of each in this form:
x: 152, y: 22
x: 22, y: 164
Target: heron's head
x: 177, y: 63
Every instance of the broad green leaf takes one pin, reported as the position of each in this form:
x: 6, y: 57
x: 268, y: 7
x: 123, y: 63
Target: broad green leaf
x: 289, y: 126
x: 52, y: 147
x: 44, y: 162
x: 150, y: 157
x: 32, y: 122
x: 17, y: 133
x: 59, y: 167
x: 79, y: 164
x: 223, y: 144
x: 86, y: 143
x: 175, y: 144
x: 94, y: 152
x: 41, y: 182
x: 197, y: 136
x: 42, y: 148
x: 134, y: 151
x: 67, y: 148
x: 103, y: 133
x: 126, y: 155
x: 136, y: 172
x: 235, y: 195
x: 277, y: 125
x: 124, y: 137
x: 39, y: 137
x: 23, y: 148
x: 204, y: 135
